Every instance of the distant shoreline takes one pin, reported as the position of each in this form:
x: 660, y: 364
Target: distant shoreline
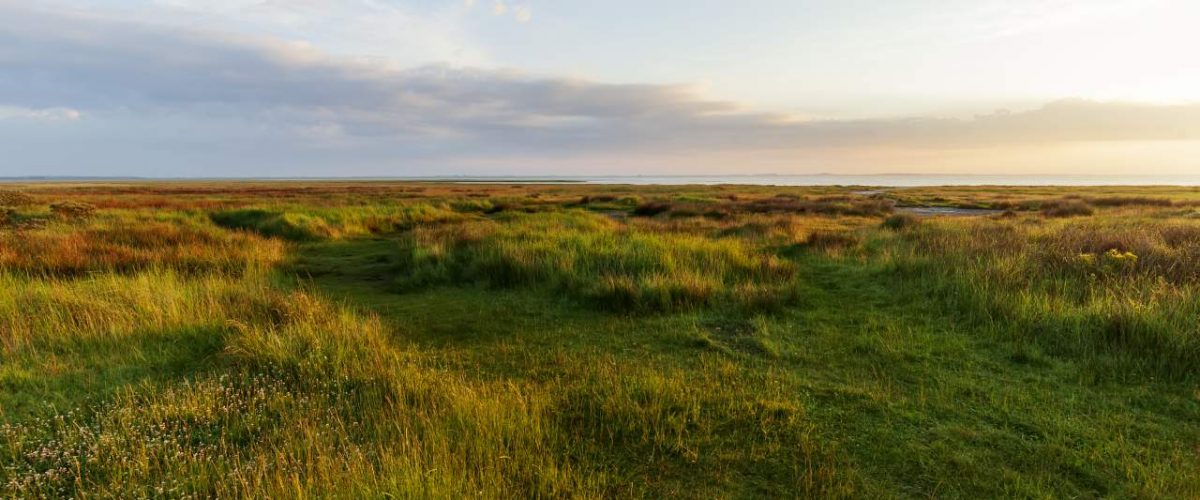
x: 879, y: 180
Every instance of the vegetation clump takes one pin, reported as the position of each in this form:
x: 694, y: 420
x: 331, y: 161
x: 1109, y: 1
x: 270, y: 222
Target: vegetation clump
x: 824, y: 205
x: 1128, y: 201
x: 650, y: 209
x: 1075, y: 283
x: 72, y: 210
x: 1110, y: 262
x: 11, y: 199
x: 286, y: 225
x: 133, y: 246
x: 897, y: 222
x: 310, y: 224
x: 598, y: 198
x: 1067, y: 208
x: 832, y: 240
x: 592, y: 258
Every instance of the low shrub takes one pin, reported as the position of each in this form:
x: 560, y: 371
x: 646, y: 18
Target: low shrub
x: 1124, y: 201
x: 688, y: 210
x: 828, y: 205
x: 650, y: 209
x: 1067, y: 208
x: 128, y: 246
x: 503, y: 206
x: 831, y: 240
x: 897, y: 222
x: 472, y: 205
x: 15, y: 199
x: 597, y: 198
x: 72, y: 210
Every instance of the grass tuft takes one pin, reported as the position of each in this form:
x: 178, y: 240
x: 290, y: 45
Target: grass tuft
x: 591, y: 257
x: 13, y: 199
x: 1067, y: 208
x: 898, y: 222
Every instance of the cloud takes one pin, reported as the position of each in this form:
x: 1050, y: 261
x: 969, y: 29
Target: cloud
x: 402, y: 31
x: 272, y: 100
x: 523, y: 13
x: 499, y: 8
x: 1073, y: 120
x: 42, y: 114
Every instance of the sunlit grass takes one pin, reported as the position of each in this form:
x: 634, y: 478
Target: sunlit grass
x: 1117, y: 290
x: 198, y: 340
x: 598, y: 259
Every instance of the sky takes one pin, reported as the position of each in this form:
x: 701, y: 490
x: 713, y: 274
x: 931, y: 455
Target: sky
x: 324, y: 88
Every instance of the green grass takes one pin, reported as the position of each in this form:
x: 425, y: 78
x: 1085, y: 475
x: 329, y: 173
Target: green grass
x: 595, y: 258
x: 496, y: 342
x: 304, y: 223
x: 1117, y: 292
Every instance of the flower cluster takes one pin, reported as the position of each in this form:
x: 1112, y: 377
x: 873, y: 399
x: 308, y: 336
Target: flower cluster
x: 1111, y: 262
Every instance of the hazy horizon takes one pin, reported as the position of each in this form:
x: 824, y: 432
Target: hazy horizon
x: 425, y: 88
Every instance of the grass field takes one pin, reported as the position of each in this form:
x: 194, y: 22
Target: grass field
x: 196, y: 340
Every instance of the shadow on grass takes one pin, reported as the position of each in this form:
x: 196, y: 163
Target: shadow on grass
x: 286, y: 225
x: 62, y: 377
x: 631, y: 395
x: 362, y: 273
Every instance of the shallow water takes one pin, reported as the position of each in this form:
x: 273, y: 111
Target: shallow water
x: 947, y: 211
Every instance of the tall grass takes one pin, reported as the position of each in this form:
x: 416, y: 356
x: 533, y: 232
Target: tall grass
x: 312, y: 398
x: 309, y: 224
x: 315, y: 400
x: 595, y: 258
x: 127, y: 242
x: 178, y: 357
x: 1124, y: 290
x: 305, y: 397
